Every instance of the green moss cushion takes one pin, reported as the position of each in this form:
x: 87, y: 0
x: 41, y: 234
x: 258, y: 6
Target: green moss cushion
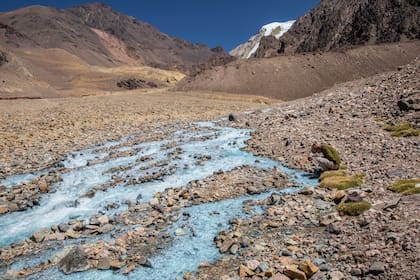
x: 330, y: 153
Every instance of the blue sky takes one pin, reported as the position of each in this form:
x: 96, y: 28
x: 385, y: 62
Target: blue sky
x: 214, y: 22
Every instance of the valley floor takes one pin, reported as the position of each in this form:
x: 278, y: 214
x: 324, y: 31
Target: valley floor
x: 381, y: 243
x: 37, y: 133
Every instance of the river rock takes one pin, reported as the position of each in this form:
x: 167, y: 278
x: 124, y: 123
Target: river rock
x: 103, y: 219
x: 75, y: 261
x: 179, y: 232
x: 55, y: 236
x: 252, y: 190
x: 252, y: 264
x: 245, y: 271
x: 279, y: 276
x: 308, y: 267
x: 308, y: 190
x: 336, y: 275
x: 293, y: 272
x: 44, y: 188
x: 104, y: 263
x: 40, y: 235
x: 234, y: 249
x: 377, y: 268
x: 77, y: 226
x: 116, y: 264
x: 333, y: 228
x: 106, y: 228
x: 275, y: 199
x: 3, y: 210
x: 154, y: 202
x: 143, y: 261
x: 63, y: 227
x: 72, y: 234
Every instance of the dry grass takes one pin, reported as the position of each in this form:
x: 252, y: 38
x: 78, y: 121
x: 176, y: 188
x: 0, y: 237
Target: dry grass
x: 354, y: 208
x: 404, y: 129
x: 340, y: 180
x: 57, y: 73
x: 406, y: 187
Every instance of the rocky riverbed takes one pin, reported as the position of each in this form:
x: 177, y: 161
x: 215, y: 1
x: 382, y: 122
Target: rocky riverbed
x: 184, y: 200
x: 382, y: 243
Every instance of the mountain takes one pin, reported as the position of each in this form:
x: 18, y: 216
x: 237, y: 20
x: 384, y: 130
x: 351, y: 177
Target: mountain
x: 335, y: 24
x: 275, y: 29
x: 102, y: 36
x: 346, y: 40
x: 290, y: 77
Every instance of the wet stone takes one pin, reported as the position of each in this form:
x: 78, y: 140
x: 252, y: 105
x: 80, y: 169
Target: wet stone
x: 106, y: 228
x: 75, y: 261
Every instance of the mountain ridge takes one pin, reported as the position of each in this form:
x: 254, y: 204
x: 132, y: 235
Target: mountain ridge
x: 275, y: 29
x: 75, y: 30
x: 335, y: 24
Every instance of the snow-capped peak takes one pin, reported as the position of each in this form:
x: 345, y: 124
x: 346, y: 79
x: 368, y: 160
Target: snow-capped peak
x: 276, y: 29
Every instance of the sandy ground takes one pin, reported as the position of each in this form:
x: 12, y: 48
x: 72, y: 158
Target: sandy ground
x: 36, y: 133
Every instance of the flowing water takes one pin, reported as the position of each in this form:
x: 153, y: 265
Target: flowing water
x: 190, y: 154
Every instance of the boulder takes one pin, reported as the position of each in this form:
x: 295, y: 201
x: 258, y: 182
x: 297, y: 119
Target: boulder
x: 377, y: 268
x: 293, y: 272
x: 103, y: 219
x: 106, y: 228
x: 308, y: 267
x: 40, y: 235
x: 104, y: 263
x: 308, y: 190
x: 63, y: 227
x: 3, y: 210
x: 333, y: 228
x: 252, y: 264
x: 75, y: 261
x: 245, y: 271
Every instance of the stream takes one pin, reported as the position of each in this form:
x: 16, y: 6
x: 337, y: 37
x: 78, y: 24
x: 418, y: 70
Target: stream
x: 188, y: 155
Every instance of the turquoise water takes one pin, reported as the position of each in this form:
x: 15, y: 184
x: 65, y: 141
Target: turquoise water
x: 223, y: 144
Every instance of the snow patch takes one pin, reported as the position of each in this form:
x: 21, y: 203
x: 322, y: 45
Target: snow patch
x: 276, y: 29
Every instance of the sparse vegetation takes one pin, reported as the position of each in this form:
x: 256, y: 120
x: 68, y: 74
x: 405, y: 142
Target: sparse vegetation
x: 354, y: 208
x: 398, y: 127
x: 332, y: 173
x: 379, y: 119
x: 404, y: 129
x: 340, y: 180
x: 406, y: 187
x: 330, y: 153
x: 406, y: 133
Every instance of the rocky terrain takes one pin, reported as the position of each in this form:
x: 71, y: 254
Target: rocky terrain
x: 274, y: 29
x: 100, y: 36
x: 138, y: 182
x: 335, y: 24
x: 36, y: 133
x: 91, y: 48
x: 335, y: 42
x: 383, y: 242
x: 297, y: 76
x: 309, y: 233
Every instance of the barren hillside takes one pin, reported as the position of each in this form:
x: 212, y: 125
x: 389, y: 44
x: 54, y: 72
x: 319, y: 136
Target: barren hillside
x: 291, y: 77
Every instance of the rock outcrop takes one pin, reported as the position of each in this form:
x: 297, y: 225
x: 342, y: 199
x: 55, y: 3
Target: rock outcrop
x: 341, y: 23
x: 75, y: 261
x: 274, y: 29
